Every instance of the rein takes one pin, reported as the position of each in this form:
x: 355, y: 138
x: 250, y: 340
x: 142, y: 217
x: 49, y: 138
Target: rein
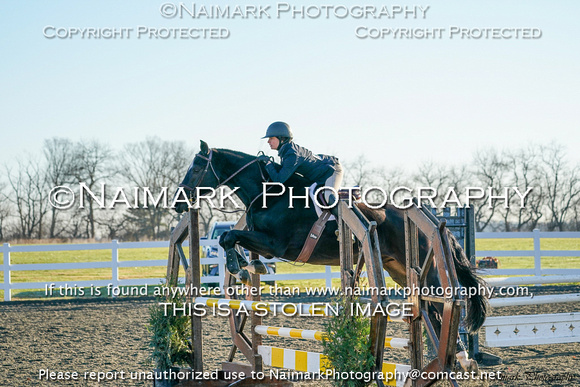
x: 220, y: 183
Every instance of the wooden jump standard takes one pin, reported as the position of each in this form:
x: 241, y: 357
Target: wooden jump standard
x: 188, y: 227
x: 438, y: 258
x: 351, y: 223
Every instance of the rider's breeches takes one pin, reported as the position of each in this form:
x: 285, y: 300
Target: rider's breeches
x: 334, y: 181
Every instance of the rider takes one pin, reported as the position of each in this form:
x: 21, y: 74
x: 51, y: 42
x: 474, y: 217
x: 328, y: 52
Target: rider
x: 320, y: 169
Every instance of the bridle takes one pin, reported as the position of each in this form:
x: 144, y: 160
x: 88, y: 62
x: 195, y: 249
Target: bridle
x: 202, y: 175
x: 209, y: 166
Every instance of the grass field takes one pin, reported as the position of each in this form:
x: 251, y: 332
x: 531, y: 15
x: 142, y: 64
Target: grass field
x: 528, y: 244
x: 71, y: 276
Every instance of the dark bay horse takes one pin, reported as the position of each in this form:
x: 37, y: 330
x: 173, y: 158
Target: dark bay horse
x: 280, y: 231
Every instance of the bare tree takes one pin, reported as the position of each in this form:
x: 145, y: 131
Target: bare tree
x: 4, y: 211
x: 575, y: 221
x: 433, y: 175
x: 58, y: 153
x: 158, y: 166
x: 523, y: 172
x: 459, y: 179
x: 114, y: 225
x: 207, y: 215
x: 76, y: 224
x: 92, y: 166
x: 561, y: 183
x: 489, y: 169
x: 28, y: 185
x: 359, y: 172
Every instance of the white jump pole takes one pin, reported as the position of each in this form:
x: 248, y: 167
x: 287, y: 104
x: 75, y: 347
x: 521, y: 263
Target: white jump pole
x: 533, y: 280
x: 536, y: 300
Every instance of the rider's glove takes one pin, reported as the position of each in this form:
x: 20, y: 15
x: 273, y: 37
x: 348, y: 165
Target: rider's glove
x: 264, y: 159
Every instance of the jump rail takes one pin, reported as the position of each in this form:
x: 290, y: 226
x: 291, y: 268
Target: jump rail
x: 308, y: 334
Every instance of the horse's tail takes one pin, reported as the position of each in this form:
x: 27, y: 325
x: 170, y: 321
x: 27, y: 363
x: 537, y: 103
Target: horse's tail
x: 477, y: 305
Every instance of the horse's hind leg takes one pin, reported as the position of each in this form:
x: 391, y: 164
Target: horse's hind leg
x: 396, y: 270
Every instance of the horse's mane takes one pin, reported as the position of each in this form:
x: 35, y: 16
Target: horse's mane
x: 235, y: 153
x: 296, y: 180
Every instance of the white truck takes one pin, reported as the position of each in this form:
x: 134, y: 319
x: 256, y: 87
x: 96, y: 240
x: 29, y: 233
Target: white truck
x: 213, y: 235
x: 211, y: 251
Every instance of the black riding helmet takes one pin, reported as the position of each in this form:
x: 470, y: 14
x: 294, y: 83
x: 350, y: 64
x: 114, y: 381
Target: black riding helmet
x: 279, y: 129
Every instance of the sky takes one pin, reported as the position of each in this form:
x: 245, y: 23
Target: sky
x: 397, y: 101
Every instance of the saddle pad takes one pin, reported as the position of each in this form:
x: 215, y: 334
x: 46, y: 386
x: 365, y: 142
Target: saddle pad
x: 314, y: 203
x: 343, y: 195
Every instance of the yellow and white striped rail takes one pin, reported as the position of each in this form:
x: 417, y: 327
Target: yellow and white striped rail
x: 293, y: 360
x: 396, y: 318
x: 289, y: 309
x: 307, y: 334
x: 313, y: 362
x: 390, y: 342
x: 396, y: 342
x: 395, y: 374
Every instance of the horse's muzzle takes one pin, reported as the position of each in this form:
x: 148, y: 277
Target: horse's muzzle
x: 181, y: 208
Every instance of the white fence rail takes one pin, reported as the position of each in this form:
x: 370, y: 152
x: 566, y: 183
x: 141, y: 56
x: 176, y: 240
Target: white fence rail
x: 537, y: 273
x: 114, y: 264
x: 537, y: 253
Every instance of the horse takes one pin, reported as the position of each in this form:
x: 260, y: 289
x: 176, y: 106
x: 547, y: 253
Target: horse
x: 276, y: 230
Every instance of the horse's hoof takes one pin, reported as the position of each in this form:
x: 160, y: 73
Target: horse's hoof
x: 468, y: 365
x: 245, y: 278
x: 232, y: 263
x: 474, y: 366
x: 257, y: 267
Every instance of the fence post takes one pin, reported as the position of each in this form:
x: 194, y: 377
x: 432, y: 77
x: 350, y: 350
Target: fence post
x: 115, y: 262
x: 7, y: 290
x: 328, y: 271
x: 537, y: 253
x: 221, y: 268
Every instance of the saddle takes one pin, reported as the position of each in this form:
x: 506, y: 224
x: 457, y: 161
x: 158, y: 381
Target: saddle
x: 324, y: 215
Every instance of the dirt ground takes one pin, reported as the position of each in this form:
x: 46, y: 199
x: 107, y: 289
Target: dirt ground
x: 111, y: 336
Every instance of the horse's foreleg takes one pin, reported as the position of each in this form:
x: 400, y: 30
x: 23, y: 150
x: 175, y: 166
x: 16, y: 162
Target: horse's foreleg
x: 254, y: 241
x: 234, y: 259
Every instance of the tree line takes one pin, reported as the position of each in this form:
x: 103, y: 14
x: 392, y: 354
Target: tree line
x: 552, y: 205
x: 26, y: 212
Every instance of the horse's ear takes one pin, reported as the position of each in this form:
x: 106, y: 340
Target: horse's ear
x: 204, y: 148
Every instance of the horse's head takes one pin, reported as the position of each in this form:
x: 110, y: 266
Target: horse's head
x: 200, y: 174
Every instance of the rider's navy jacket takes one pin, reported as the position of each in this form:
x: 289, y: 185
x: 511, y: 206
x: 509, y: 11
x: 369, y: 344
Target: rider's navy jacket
x: 294, y: 158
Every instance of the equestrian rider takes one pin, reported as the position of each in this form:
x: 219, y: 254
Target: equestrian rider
x: 320, y: 169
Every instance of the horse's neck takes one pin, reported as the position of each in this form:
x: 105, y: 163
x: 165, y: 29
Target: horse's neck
x: 248, y: 182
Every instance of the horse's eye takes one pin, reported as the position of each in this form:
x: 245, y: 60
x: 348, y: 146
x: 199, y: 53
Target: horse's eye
x: 196, y: 169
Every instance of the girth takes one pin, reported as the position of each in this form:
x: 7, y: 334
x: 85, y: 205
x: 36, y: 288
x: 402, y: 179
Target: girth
x: 313, y: 237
